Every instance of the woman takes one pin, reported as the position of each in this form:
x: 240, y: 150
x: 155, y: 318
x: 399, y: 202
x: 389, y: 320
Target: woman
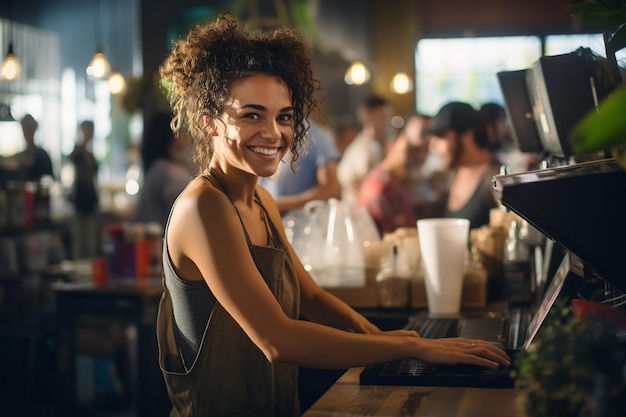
x: 228, y: 329
x: 166, y: 172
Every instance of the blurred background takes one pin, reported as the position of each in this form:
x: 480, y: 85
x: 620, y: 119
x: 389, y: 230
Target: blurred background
x: 417, y: 54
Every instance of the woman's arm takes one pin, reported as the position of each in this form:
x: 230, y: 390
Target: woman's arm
x: 206, y: 241
x: 321, y: 307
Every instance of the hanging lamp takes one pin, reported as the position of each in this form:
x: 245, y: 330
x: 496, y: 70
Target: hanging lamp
x: 10, y: 68
x: 99, y: 65
x: 117, y: 83
x: 357, y: 74
x: 401, y: 83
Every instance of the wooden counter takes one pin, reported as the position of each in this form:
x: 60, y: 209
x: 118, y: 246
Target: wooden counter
x: 348, y: 398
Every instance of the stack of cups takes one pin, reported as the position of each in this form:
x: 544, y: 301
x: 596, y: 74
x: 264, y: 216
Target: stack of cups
x: 443, y: 244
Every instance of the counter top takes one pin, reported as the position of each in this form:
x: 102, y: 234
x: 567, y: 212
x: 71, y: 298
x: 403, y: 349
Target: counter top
x: 142, y: 286
x: 348, y: 398
x: 77, y: 277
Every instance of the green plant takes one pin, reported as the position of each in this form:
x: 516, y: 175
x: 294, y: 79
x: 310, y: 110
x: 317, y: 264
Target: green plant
x: 608, y: 15
x: 605, y: 127
x: 574, y: 368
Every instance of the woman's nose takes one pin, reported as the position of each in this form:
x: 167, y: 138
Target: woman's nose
x: 270, y: 130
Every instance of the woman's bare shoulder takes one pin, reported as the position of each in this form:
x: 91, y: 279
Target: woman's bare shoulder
x: 201, y: 202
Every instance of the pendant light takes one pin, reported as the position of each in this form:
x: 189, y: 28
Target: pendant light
x: 401, y: 83
x: 99, y: 66
x: 117, y: 83
x: 357, y: 74
x: 10, y: 69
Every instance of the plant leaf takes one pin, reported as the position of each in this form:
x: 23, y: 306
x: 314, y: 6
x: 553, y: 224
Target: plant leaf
x: 600, y: 130
x: 618, y: 40
x: 598, y: 13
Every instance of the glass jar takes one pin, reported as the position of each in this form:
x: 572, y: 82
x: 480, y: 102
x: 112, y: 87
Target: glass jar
x: 393, y: 282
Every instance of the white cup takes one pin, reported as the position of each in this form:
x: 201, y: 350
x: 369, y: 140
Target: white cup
x: 443, y: 245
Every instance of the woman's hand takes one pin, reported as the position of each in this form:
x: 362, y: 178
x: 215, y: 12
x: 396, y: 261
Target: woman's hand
x: 457, y: 350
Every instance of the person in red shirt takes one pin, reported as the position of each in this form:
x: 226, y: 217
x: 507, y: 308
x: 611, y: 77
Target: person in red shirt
x: 386, y: 190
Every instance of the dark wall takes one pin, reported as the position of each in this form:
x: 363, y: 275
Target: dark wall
x: 136, y: 34
x: 495, y: 17
x: 342, y: 27
x: 81, y: 25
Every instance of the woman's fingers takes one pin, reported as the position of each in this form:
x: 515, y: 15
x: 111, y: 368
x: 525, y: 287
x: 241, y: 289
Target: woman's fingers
x: 469, y: 351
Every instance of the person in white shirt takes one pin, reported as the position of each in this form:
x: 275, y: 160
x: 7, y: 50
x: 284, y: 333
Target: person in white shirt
x: 315, y: 177
x: 367, y: 148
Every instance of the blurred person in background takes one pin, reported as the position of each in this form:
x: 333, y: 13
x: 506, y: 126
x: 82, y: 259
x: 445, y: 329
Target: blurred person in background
x: 496, y: 127
x: 388, y: 191
x: 165, y: 167
x: 315, y: 177
x: 458, y: 135
x: 84, y: 195
x: 32, y: 163
x: 345, y: 132
x: 367, y: 148
x: 498, y: 132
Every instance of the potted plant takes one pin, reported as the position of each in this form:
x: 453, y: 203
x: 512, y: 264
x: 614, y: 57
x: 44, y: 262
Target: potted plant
x: 604, y: 129
x: 576, y: 366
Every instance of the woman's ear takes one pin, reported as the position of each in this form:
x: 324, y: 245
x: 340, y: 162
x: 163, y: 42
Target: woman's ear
x: 210, y: 126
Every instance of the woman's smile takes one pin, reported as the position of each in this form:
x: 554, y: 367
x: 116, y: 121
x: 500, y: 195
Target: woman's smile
x: 264, y: 150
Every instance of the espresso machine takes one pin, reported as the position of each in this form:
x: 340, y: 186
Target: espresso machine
x: 582, y: 209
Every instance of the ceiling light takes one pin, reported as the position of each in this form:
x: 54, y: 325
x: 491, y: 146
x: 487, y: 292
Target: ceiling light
x: 10, y: 66
x: 357, y: 74
x: 117, y: 83
x: 99, y: 66
x: 401, y: 83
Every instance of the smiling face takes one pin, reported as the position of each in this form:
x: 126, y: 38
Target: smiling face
x: 255, y: 129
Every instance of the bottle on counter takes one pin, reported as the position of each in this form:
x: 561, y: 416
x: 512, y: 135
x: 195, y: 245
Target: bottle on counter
x: 393, y: 282
x: 516, y: 264
x: 475, y: 279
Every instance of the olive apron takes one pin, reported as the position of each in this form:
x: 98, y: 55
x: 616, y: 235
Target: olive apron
x: 230, y: 375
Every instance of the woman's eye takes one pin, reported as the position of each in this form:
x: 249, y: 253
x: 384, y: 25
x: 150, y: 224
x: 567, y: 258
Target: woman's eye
x: 285, y: 117
x: 252, y: 116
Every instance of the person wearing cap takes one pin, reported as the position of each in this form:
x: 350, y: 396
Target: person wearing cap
x: 457, y: 134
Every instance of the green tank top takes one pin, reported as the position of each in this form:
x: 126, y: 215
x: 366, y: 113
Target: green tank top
x: 230, y: 376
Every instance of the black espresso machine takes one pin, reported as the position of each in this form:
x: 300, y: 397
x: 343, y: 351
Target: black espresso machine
x: 582, y: 207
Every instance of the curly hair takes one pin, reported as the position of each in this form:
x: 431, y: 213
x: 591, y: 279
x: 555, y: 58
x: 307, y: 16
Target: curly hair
x: 202, y: 67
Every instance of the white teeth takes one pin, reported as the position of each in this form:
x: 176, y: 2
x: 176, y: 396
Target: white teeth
x: 265, y: 151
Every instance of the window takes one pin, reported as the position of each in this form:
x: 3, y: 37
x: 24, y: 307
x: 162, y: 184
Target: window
x: 562, y: 44
x: 465, y: 69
